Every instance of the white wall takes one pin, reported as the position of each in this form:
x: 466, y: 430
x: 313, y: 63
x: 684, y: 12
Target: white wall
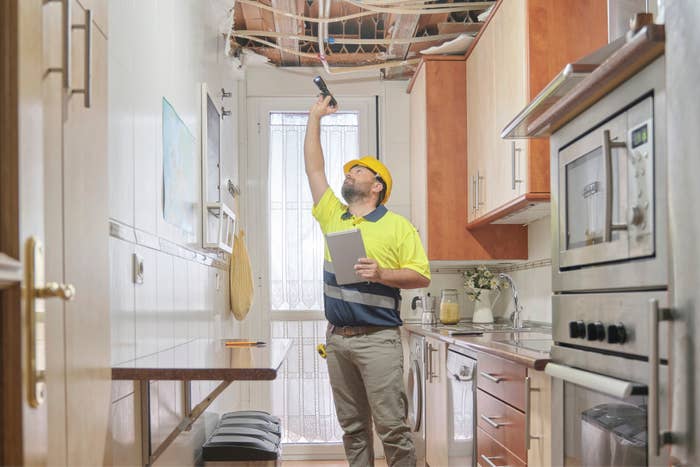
x: 162, y: 49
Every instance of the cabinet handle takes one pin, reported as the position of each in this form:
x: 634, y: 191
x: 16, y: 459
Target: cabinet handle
x: 479, y: 178
x: 490, y: 377
x: 513, y: 150
x: 473, y: 194
x: 490, y: 421
x: 528, y: 391
x: 488, y: 460
x: 66, y: 12
x: 87, y: 89
x: 431, y: 374
x: 657, y: 438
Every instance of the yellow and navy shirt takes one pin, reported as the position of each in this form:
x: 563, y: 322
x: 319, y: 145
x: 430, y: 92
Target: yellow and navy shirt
x: 391, y: 240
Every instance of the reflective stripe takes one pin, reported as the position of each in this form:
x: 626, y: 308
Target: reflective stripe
x: 328, y: 267
x: 354, y: 296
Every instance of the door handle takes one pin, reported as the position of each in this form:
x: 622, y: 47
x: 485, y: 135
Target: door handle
x: 608, y: 145
x: 431, y: 374
x: 35, y: 290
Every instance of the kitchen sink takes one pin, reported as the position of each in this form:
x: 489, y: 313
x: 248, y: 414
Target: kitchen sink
x: 536, y: 341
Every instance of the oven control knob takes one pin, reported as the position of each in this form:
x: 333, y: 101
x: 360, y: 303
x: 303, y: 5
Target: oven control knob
x: 637, y: 217
x: 617, y: 334
x: 595, y: 331
x: 577, y: 329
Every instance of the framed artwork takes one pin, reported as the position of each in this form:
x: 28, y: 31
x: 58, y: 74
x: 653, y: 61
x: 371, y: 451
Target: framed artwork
x: 180, y: 197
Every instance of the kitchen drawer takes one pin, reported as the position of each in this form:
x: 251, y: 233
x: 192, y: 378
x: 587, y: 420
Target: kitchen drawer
x: 502, y: 378
x: 504, y: 423
x: 488, y: 450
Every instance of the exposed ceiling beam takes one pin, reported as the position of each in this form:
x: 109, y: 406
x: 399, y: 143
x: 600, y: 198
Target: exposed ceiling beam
x: 401, y: 26
x: 290, y: 26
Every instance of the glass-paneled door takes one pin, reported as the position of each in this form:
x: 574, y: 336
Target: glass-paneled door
x: 286, y: 247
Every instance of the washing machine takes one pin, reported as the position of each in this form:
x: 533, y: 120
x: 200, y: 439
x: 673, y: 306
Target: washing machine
x: 415, y: 390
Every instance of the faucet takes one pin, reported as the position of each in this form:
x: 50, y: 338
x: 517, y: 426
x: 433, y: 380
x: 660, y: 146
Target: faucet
x: 515, y: 316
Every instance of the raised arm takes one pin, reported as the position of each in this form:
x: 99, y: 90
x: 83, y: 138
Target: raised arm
x: 313, y: 154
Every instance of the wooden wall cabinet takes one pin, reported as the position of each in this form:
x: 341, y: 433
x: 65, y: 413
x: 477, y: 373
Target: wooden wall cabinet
x: 523, y: 46
x: 436, y: 389
x: 439, y: 182
x: 512, y: 405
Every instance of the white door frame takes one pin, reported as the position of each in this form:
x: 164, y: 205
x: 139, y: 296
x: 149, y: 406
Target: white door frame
x: 255, y: 199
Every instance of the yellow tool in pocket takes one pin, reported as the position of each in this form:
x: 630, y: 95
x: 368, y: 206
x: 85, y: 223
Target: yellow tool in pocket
x: 321, y: 349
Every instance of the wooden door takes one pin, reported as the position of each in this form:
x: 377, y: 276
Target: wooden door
x: 436, y: 404
x: 540, y: 451
x: 52, y: 188
x: 24, y: 428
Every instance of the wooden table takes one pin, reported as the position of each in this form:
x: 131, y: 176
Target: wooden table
x: 198, y: 359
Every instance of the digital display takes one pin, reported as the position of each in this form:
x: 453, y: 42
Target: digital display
x: 640, y: 136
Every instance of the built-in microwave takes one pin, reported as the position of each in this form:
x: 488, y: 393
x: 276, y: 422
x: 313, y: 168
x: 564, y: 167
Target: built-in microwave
x: 609, y: 186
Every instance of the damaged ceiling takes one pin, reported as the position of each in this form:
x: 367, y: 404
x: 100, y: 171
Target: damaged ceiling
x: 355, y: 34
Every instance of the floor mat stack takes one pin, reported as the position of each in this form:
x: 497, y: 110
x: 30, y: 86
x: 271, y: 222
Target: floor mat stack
x: 247, y: 435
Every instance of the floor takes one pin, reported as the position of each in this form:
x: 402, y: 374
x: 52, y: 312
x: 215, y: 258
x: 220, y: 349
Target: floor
x: 378, y: 463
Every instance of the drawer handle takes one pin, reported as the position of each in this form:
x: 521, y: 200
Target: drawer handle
x: 490, y: 421
x: 489, y: 460
x: 490, y: 377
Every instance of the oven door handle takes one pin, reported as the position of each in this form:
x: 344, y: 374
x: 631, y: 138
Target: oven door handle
x: 612, y: 387
x: 608, y: 146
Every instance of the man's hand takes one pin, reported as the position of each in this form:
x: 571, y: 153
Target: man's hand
x: 368, y: 270
x: 322, y: 107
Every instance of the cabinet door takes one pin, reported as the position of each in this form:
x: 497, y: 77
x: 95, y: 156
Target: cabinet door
x: 480, y: 121
x: 509, y: 29
x: 419, y: 157
x: 436, y: 404
x: 86, y: 252
x: 540, y: 429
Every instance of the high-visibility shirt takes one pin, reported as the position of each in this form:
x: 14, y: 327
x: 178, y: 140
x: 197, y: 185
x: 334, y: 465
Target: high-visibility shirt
x: 391, y: 240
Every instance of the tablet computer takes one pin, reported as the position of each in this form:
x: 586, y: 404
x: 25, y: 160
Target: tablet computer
x: 346, y: 248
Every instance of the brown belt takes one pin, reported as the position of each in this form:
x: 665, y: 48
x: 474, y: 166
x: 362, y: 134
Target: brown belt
x: 350, y: 331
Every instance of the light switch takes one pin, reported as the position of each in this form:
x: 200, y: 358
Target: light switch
x: 138, y: 268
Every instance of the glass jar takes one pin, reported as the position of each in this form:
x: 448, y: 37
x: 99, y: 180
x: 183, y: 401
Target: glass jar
x: 449, y: 307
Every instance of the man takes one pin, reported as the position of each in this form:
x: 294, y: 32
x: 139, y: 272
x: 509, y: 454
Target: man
x: 363, y: 343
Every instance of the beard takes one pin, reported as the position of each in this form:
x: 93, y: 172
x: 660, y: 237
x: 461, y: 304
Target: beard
x: 353, y: 193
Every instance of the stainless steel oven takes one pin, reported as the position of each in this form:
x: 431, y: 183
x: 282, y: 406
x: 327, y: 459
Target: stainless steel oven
x: 609, y: 186
x: 610, y: 358
x: 610, y: 279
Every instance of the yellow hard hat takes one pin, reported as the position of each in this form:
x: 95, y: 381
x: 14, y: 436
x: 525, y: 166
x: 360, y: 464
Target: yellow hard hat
x: 373, y: 164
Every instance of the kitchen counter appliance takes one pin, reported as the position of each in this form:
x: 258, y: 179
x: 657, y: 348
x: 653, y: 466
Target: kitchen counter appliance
x: 416, y: 394
x: 610, y: 278
x: 461, y: 409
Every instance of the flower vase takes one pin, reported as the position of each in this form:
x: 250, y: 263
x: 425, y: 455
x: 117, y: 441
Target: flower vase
x: 483, y: 306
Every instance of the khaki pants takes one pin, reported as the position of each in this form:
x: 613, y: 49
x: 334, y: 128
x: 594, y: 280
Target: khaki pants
x: 366, y: 374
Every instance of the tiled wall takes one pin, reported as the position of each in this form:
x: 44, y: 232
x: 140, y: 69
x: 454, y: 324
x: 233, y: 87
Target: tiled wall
x: 162, y: 49
x: 532, y: 279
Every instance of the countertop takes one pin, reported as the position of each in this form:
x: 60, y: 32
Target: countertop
x: 207, y: 359
x: 491, y: 343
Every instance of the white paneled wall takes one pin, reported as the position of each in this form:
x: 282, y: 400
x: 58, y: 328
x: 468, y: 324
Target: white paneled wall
x: 162, y: 49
